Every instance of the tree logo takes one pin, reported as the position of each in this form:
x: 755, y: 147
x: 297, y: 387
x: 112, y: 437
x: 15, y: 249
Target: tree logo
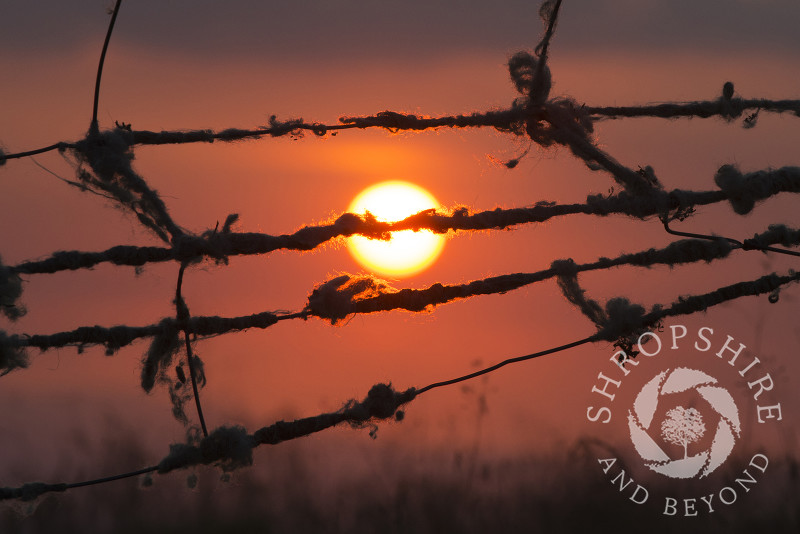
x: 683, y: 426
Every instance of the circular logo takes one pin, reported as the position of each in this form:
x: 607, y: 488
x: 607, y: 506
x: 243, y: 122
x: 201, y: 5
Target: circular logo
x: 683, y: 426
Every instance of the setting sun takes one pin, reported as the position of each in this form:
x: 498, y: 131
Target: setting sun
x: 407, y: 252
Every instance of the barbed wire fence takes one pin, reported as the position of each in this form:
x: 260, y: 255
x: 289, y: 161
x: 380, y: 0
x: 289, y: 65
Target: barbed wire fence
x: 103, y: 164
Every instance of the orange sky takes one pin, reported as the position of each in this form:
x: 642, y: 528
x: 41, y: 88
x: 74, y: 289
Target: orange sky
x: 302, y: 368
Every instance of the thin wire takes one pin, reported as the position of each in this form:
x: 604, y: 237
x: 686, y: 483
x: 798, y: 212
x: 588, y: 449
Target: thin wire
x: 183, y: 322
x: 62, y: 487
x: 73, y: 183
x: 112, y: 478
x: 749, y: 246
x: 55, y: 146
x: 94, y: 128
x: 507, y: 362
x: 698, y: 236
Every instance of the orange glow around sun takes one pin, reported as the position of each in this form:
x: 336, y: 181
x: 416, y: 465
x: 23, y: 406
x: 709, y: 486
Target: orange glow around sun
x: 407, y: 252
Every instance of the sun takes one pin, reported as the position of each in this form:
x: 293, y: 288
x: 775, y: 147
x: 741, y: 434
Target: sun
x: 407, y: 252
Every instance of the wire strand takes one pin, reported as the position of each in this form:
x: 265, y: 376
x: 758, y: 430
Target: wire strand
x: 507, y: 362
x: 183, y: 318
x: 94, y: 126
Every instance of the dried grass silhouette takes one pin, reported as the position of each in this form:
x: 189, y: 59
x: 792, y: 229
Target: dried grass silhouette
x: 103, y: 161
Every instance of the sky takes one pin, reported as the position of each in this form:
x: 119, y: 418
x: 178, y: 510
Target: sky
x: 191, y: 65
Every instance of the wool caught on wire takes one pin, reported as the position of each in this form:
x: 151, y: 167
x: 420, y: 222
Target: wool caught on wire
x: 744, y: 190
x: 109, y: 155
x: 231, y: 447
x: 10, y: 292
x: 345, y: 295
x: 221, y: 245
x: 12, y: 354
x: 727, y: 107
x: 776, y: 234
x: 227, y: 447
